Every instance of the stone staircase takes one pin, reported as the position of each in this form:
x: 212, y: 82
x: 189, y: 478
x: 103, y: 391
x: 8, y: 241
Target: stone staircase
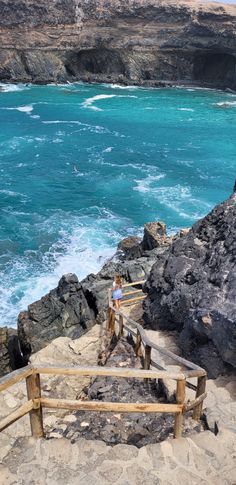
x: 199, y: 458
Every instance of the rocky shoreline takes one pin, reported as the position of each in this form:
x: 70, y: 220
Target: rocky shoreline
x: 190, y: 288
x: 144, y: 42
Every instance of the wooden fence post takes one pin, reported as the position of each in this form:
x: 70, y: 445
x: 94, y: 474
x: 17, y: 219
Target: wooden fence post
x: 36, y: 415
x: 112, y: 322
x: 147, y: 361
x: 121, y: 326
x: 201, y: 388
x: 108, y: 319
x: 180, y: 398
x: 147, y: 358
x: 138, y: 350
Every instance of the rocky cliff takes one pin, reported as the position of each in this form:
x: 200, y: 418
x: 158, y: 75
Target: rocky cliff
x: 72, y: 308
x: 132, y: 41
x: 192, y: 288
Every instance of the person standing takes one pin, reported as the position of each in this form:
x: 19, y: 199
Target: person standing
x: 117, y: 291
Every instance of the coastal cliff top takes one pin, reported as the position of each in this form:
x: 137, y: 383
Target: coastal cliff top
x: 16, y: 13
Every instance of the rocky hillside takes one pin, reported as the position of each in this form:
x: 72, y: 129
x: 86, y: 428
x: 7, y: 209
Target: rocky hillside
x: 192, y: 288
x: 138, y: 41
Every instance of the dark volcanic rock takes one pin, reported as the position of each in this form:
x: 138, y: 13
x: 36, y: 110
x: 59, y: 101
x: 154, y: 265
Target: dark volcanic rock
x: 147, y: 42
x: 137, y: 429
x: 63, y: 312
x: 192, y: 288
x: 155, y: 236
x: 131, y: 247
x: 5, y: 365
x: 73, y: 307
x: 96, y: 286
x: 11, y: 357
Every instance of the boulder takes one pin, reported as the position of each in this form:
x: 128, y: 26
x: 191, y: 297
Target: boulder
x: 155, y: 236
x: 62, y: 312
x: 192, y: 288
x: 130, y: 247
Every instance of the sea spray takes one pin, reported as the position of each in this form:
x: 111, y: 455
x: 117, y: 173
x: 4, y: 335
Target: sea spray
x: 76, y: 180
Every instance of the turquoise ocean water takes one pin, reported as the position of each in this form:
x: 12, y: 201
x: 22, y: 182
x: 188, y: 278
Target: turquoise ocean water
x: 83, y: 166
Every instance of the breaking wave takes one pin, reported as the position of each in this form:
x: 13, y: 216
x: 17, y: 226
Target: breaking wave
x: 75, y: 181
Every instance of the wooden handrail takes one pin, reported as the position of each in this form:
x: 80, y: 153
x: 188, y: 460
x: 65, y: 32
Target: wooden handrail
x: 142, y: 340
x: 21, y: 411
x: 147, y: 341
x: 36, y: 402
x: 16, y: 376
x: 136, y: 283
x: 108, y: 371
x: 132, y: 292
x: 192, y: 404
x: 118, y: 407
x: 138, y: 298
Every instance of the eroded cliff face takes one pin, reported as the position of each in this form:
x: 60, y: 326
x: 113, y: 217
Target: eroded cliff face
x: 140, y: 41
x: 192, y: 288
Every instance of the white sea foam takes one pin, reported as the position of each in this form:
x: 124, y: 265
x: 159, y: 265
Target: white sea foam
x: 10, y: 88
x: 84, y: 126
x: 120, y: 86
x: 181, y: 200
x: 20, y: 165
x: 11, y: 193
x: 144, y: 185
x: 108, y: 150
x: 177, y: 198
x: 185, y: 109
x: 25, y: 109
x: 85, y: 242
x: 226, y: 104
x: 88, y: 103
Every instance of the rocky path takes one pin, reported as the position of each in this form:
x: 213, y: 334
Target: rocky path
x: 62, y: 351
x: 205, y: 457
x: 220, y: 405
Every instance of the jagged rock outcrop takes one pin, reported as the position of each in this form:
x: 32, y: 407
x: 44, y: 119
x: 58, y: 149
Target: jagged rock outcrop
x: 5, y: 365
x: 11, y: 357
x: 192, y: 288
x: 63, y: 312
x: 138, y: 41
x: 73, y: 307
x: 155, y: 236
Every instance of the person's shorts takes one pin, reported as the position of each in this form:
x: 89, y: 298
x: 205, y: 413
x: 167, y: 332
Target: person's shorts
x: 117, y: 295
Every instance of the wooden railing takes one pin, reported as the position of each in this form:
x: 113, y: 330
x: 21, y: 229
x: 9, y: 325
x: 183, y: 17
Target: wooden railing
x: 144, y: 347
x: 36, y: 402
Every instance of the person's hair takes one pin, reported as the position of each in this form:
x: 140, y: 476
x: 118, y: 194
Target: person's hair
x: 118, y: 280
